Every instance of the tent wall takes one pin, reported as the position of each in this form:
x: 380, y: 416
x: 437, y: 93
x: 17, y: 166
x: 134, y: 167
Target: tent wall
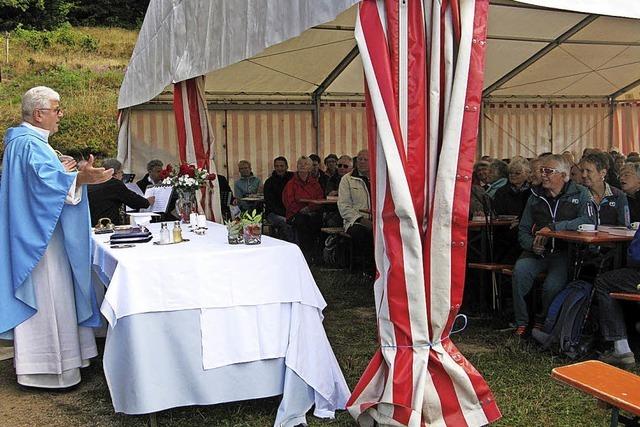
x: 626, y: 129
x: 508, y: 129
x: 255, y: 135
x: 528, y: 129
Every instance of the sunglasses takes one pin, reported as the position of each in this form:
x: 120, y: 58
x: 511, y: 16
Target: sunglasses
x: 548, y: 171
x: 343, y: 166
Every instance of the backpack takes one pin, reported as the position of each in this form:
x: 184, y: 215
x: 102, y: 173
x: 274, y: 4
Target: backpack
x: 335, y: 251
x: 567, y: 315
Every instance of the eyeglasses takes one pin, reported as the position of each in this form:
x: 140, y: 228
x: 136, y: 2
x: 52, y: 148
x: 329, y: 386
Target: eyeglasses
x: 57, y: 110
x: 548, y: 171
x: 340, y: 165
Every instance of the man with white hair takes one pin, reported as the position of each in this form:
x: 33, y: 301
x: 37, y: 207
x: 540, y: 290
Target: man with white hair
x: 47, y: 303
x: 557, y: 204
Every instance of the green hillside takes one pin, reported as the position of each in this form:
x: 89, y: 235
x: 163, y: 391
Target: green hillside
x: 85, y: 65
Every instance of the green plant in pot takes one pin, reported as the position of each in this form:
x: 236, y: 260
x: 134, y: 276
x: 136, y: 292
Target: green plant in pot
x: 234, y: 231
x: 252, y: 227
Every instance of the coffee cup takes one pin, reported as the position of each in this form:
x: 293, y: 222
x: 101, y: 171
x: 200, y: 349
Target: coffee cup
x: 586, y: 227
x: 635, y: 225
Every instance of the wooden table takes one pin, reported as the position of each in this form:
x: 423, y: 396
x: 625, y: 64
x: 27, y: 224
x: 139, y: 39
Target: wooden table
x: 617, y: 388
x: 597, y: 238
x: 575, y: 238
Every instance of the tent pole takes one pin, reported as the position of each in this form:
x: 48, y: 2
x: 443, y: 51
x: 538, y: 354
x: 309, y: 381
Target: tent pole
x: 316, y: 120
x: 322, y: 87
x: 611, y: 116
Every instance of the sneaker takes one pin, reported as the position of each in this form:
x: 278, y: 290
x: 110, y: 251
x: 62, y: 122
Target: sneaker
x: 624, y: 360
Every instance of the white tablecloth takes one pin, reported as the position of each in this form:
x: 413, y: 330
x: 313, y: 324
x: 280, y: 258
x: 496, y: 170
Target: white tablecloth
x: 256, y: 304
x: 205, y: 272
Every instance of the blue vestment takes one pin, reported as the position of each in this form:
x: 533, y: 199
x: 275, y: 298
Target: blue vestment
x: 33, y: 190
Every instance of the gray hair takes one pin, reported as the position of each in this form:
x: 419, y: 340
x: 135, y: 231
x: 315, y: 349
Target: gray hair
x: 345, y: 157
x: 37, y: 97
x: 632, y: 166
x: 563, y: 165
x: 112, y: 164
x: 519, y: 164
x: 304, y: 159
x: 153, y: 163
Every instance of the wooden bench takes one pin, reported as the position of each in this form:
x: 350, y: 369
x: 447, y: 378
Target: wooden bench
x: 615, y: 387
x: 493, y: 268
x: 625, y: 296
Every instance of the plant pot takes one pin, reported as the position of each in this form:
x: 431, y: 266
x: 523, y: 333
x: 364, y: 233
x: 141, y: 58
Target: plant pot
x: 252, y: 234
x: 235, y: 236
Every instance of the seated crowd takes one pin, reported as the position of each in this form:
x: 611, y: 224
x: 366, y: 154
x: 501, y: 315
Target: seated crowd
x: 553, y: 192
x: 285, y: 203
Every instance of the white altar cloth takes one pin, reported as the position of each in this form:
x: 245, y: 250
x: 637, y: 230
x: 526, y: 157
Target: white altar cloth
x: 205, y: 272
x: 257, y: 304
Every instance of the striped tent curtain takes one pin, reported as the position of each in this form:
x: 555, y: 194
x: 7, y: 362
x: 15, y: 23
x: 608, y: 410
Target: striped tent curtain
x: 529, y: 129
x: 581, y: 125
x: 423, y: 62
x: 195, y: 139
x: 515, y: 129
x: 626, y: 133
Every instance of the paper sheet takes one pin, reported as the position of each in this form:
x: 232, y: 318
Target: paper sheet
x: 133, y: 187
x: 162, y: 193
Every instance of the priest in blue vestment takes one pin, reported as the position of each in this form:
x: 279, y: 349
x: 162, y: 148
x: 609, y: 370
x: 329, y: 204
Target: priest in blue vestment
x: 47, y: 303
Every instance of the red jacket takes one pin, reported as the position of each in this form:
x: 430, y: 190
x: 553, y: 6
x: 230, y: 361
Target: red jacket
x: 297, y: 189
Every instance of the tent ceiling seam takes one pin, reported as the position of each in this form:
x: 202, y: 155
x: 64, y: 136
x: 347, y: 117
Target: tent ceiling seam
x: 542, y: 52
x: 595, y: 71
x: 570, y: 41
x: 280, y: 72
x: 567, y: 75
x: 301, y: 49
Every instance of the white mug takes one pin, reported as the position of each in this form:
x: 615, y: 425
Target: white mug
x: 586, y: 227
x: 202, y: 220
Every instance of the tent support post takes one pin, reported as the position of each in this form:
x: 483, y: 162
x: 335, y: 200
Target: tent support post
x: 612, y: 108
x: 542, y: 52
x: 316, y: 120
x: 322, y: 87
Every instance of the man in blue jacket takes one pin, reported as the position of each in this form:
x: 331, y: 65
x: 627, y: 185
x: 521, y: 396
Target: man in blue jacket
x: 557, y: 204
x: 47, y: 303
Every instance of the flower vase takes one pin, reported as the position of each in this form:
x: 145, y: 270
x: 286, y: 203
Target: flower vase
x: 252, y: 234
x: 186, y: 204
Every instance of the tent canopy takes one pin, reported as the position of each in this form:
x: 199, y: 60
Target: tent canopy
x: 532, y: 52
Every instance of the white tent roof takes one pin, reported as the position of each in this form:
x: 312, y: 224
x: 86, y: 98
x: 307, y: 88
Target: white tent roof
x: 297, y: 48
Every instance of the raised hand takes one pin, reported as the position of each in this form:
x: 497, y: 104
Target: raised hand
x: 91, y: 175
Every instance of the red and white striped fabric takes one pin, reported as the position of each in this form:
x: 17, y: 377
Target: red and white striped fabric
x: 195, y: 139
x: 423, y: 63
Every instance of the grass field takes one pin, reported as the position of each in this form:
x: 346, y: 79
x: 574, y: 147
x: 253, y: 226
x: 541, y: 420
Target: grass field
x: 86, y: 66
x: 517, y: 374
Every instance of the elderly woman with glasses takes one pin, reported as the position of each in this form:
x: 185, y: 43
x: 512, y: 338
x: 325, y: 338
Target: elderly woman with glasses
x: 609, y: 204
x: 557, y: 204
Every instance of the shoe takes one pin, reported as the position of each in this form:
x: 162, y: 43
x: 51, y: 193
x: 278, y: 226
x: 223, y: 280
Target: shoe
x: 624, y: 360
x: 520, y: 331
